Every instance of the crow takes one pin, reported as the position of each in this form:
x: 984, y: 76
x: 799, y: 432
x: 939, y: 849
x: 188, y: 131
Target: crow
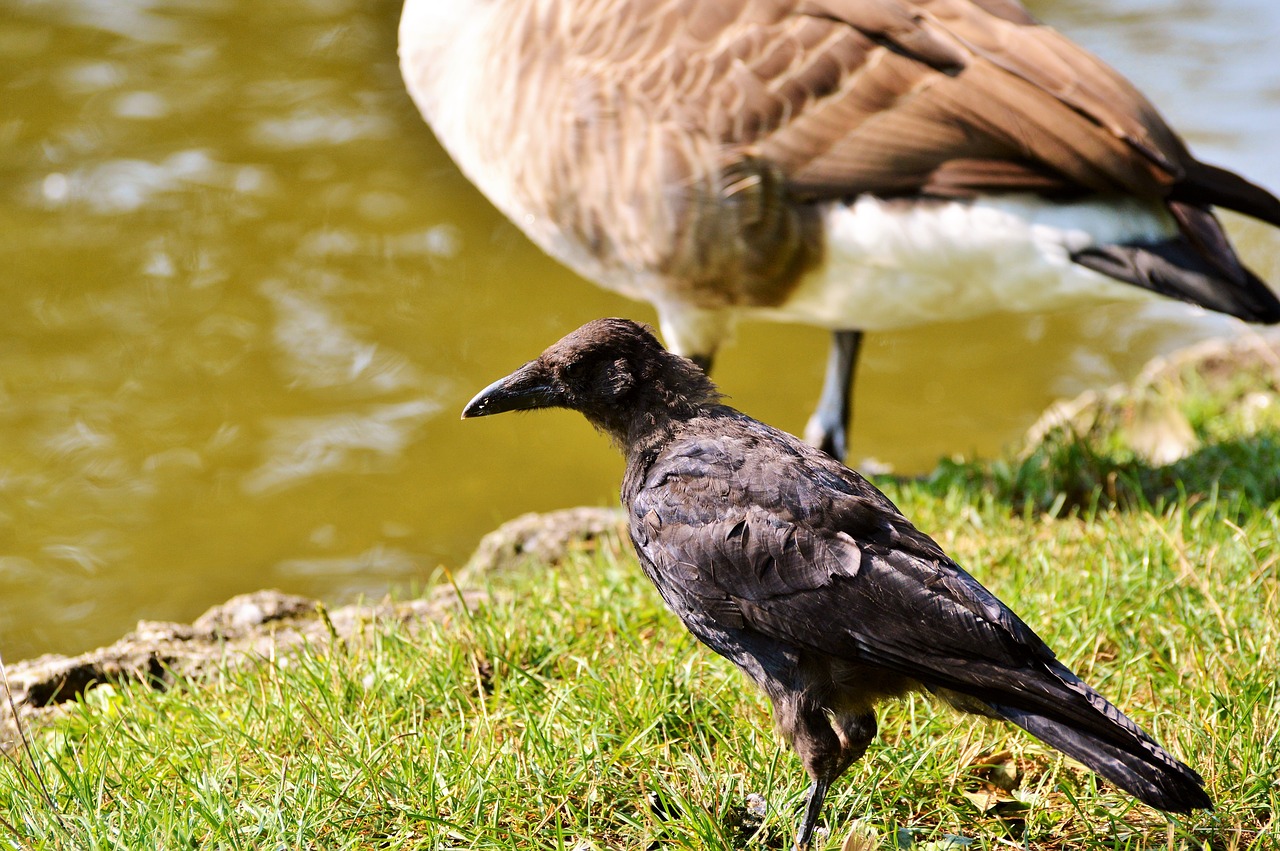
x: 804, y: 575
x: 856, y: 165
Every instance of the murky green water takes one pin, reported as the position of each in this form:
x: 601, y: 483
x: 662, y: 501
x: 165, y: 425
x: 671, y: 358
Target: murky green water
x: 245, y: 297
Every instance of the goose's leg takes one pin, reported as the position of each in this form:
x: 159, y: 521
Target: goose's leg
x: 829, y: 427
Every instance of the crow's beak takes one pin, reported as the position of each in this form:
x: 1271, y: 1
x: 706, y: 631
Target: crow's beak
x: 527, y: 388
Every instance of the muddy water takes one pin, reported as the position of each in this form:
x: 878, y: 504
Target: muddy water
x: 245, y: 297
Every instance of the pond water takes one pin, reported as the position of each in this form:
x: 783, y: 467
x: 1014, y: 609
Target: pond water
x: 246, y: 296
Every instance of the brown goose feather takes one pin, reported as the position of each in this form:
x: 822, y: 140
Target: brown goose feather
x: 702, y: 128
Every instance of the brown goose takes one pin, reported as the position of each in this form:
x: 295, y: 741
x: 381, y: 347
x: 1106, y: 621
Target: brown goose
x: 853, y: 164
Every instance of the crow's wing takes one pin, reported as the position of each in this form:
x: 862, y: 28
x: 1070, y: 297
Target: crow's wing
x: 762, y: 533
x: 785, y: 552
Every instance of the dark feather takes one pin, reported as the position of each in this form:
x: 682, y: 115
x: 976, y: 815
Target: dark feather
x: 1178, y: 270
x: 739, y: 518
x: 1209, y: 185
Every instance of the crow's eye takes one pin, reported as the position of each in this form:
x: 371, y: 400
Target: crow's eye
x: 582, y: 373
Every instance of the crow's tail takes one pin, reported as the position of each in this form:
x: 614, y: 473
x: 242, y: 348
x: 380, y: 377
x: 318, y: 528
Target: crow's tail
x: 1111, y: 744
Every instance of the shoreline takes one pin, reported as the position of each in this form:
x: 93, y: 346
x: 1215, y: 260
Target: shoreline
x: 1142, y: 414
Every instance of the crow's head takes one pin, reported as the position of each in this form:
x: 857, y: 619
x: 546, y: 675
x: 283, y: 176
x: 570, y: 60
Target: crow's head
x: 614, y: 371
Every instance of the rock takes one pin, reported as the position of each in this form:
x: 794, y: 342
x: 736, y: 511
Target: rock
x: 1147, y: 415
x: 545, y: 538
x: 247, y: 612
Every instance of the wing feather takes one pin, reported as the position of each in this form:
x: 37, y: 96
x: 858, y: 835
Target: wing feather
x: 831, y: 567
x: 851, y: 96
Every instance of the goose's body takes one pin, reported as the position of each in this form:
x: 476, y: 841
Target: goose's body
x: 852, y: 164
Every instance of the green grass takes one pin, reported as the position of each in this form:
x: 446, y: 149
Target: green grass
x: 1229, y: 408
x: 574, y: 712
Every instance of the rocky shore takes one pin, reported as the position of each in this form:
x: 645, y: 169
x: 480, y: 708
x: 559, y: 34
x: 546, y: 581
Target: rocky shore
x: 268, y: 624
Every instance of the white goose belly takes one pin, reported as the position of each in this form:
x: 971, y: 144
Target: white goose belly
x: 896, y: 264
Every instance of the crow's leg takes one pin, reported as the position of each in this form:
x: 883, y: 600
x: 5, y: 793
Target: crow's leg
x: 828, y: 743
x: 828, y: 428
x: 812, y: 808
